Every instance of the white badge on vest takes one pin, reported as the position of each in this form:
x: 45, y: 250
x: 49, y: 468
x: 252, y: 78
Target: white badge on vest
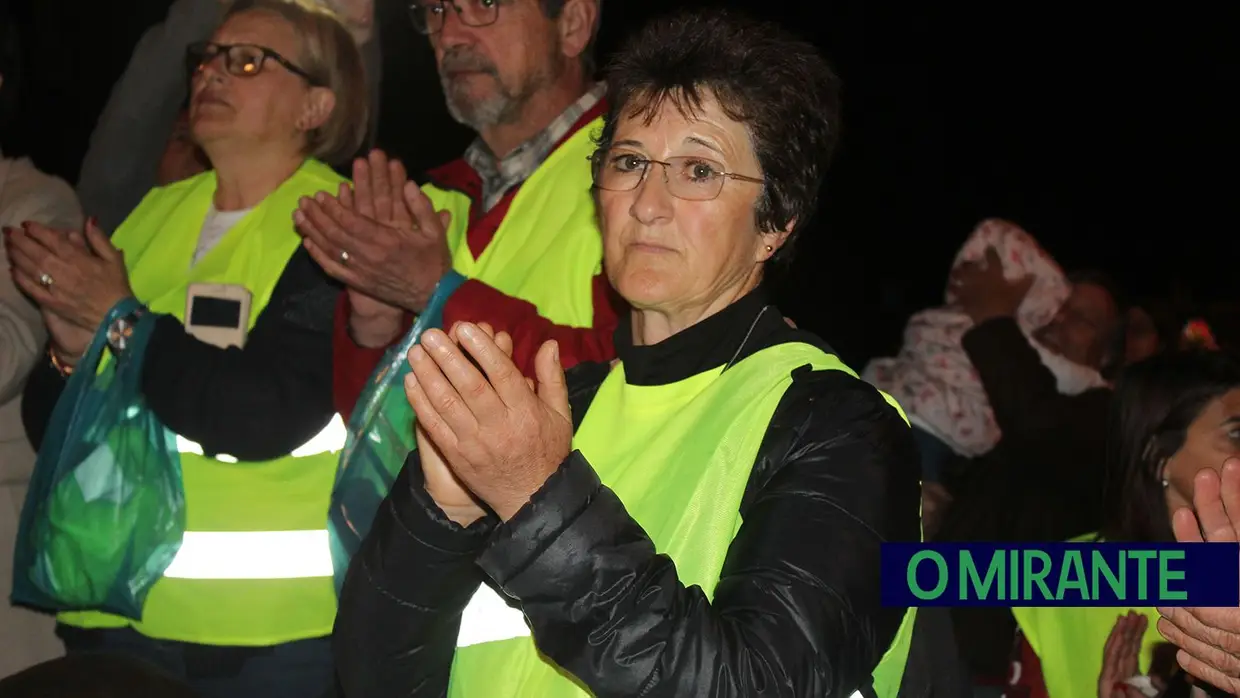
x: 218, y: 314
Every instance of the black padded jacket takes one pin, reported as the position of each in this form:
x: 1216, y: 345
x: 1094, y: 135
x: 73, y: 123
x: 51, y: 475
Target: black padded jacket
x: 797, y: 610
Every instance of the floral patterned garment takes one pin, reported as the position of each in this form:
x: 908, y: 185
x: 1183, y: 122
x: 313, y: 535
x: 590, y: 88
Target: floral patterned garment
x: 932, y: 377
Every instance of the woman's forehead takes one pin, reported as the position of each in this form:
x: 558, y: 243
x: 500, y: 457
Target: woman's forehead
x: 670, y: 125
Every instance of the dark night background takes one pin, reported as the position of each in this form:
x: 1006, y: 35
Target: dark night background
x: 1108, y: 133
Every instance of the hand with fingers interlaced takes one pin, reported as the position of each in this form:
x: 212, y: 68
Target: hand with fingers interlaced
x: 383, y: 239
x: 1209, y: 638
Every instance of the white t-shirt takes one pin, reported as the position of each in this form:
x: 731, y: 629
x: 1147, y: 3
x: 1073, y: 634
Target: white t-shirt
x: 214, y: 228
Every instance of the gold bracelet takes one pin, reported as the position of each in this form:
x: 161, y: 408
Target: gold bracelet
x: 64, y: 369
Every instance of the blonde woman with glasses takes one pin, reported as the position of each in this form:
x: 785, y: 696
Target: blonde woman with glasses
x: 239, y: 362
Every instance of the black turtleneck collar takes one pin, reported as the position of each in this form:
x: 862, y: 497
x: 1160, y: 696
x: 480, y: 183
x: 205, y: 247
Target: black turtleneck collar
x: 738, y: 330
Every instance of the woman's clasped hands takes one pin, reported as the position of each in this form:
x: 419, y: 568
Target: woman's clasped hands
x: 75, y: 278
x: 487, y: 435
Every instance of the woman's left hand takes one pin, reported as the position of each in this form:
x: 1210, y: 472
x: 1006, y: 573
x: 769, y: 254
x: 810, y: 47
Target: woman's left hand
x: 1209, y: 638
x: 1120, y: 657
x: 501, y: 436
x: 78, y: 283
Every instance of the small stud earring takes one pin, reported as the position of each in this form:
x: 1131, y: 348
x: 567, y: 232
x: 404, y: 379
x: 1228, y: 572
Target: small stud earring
x: 770, y: 249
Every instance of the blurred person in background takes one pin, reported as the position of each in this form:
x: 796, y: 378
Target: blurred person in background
x: 246, y: 608
x: 1174, y: 416
x: 182, y: 157
x: 1043, y: 480
x: 26, y: 194
x: 136, y: 144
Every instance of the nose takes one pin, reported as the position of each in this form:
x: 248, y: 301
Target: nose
x: 652, y: 202
x: 211, y: 69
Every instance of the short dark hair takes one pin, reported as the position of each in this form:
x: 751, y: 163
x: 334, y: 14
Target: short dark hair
x: 1154, y: 403
x: 1116, y: 339
x: 553, y: 8
x: 778, y: 86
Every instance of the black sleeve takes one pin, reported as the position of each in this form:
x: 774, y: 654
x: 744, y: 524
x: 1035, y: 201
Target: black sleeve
x: 43, y: 389
x: 797, y: 611
x: 256, y: 403
x: 1022, y: 391
x: 401, y: 604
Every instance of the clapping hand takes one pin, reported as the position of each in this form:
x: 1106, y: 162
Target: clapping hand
x: 1120, y: 655
x: 1209, y: 638
x: 501, y: 434
x: 75, y: 282
x: 381, y: 237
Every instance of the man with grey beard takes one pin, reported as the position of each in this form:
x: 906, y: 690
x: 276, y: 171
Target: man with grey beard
x: 506, y: 234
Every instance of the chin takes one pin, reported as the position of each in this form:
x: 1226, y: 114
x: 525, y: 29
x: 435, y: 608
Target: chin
x: 206, y: 127
x: 645, y: 287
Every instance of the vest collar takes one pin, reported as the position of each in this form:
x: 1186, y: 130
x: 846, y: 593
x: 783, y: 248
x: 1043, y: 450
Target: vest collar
x: 709, y: 344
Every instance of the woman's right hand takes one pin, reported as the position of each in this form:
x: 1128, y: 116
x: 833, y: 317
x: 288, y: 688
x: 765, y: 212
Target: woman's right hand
x: 1120, y: 655
x: 449, y: 494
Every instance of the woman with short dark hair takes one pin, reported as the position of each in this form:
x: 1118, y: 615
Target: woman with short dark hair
x: 704, y: 515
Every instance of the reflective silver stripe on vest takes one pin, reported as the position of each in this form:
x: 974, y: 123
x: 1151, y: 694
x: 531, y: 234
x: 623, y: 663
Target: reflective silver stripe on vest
x: 259, y: 554
x: 489, y: 618
x: 330, y: 439
x: 252, y: 555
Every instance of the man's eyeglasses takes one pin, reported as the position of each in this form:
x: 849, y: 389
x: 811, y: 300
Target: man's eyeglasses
x: 429, y: 15
x: 241, y: 60
x: 690, y: 177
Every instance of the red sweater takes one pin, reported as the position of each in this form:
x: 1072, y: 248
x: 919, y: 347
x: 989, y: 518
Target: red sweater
x: 475, y: 301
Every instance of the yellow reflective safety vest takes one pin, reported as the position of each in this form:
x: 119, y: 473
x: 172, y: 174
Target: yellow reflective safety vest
x: 710, y: 426
x: 1069, y: 642
x: 547, y: 250
x: 254, y: 567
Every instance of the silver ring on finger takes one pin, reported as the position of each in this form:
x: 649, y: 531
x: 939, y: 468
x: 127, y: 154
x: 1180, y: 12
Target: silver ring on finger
x: 46, y: 280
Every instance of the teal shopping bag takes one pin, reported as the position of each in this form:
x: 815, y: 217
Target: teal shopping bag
x: 105, y: 512
x: 380, y: 439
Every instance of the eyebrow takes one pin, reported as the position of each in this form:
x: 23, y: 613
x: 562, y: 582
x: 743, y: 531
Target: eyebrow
x: 627, y: 143
x: 705, y: 144
x: 1231, y: 421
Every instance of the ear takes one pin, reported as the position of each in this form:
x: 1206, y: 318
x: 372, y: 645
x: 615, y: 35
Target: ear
x: 576, y: 26
x: 316, y: 109
x: 774, y: 240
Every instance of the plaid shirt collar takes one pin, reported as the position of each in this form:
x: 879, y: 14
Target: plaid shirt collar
x: 499, y: 176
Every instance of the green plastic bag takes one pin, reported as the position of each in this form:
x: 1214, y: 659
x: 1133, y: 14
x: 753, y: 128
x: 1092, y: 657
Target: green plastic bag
x: 380, y: 439
x: 105, y: 512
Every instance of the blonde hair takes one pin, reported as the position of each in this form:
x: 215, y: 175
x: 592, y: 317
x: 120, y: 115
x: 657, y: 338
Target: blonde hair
x: 330, y: 56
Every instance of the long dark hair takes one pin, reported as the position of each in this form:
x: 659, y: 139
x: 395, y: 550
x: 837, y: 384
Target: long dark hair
x: 1154, y: 403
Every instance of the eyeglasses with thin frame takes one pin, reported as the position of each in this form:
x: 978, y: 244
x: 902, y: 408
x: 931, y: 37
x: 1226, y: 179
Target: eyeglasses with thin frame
x: 241, y: 60
x: 429, y: 15
x: 689, y: 177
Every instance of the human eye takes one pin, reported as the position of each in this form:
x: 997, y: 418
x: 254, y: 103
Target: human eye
x: 700, y: 170
x: 626, y: 162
